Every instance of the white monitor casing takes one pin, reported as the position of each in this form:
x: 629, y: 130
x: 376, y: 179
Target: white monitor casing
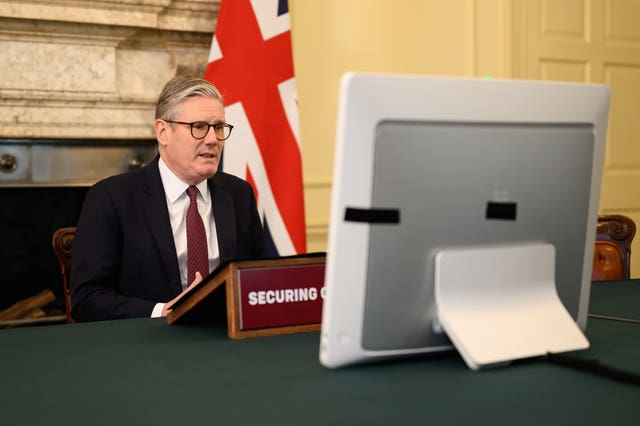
x: 378, y: 107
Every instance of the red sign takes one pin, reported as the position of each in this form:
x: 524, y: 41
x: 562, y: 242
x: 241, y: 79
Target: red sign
x: 280, y: 296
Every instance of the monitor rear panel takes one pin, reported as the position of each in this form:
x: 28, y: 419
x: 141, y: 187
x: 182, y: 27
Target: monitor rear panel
x: 442, y: 177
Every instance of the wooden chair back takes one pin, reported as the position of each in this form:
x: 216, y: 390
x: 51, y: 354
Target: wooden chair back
x: 612, y: 255
x: 62, y: 244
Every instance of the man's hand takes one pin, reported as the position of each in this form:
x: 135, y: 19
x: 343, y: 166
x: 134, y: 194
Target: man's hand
x: 168, y: 305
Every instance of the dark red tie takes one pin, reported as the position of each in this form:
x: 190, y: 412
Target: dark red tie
x: 197, y: 253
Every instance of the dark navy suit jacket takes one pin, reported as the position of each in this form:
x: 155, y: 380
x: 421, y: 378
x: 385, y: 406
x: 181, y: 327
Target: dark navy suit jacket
x: 124, y: 259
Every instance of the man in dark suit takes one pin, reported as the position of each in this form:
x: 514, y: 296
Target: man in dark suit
x: 131, y: 249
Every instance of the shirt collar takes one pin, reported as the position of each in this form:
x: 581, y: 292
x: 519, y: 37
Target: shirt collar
x: 174, y: 187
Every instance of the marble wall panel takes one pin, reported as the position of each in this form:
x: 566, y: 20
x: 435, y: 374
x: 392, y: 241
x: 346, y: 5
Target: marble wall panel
x: 94, y: 69
x: 33, y: 66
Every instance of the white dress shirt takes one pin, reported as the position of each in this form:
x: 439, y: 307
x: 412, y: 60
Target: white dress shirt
x: 177, y: 203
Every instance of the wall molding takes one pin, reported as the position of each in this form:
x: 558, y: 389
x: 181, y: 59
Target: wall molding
x: 78, y: 68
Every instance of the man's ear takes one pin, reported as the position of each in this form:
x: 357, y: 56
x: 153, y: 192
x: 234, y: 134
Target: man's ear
x: 161, y: 130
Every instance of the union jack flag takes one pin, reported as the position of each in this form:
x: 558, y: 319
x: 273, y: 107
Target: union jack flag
x: 252, y: 65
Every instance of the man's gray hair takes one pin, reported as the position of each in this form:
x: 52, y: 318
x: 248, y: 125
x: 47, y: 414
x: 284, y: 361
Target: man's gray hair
x: 179, y: 89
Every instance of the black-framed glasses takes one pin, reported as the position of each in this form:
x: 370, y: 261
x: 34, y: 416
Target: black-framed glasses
x: 200, y: 129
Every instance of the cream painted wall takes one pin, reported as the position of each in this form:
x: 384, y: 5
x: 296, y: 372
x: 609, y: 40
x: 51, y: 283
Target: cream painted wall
x: 570, y: 40
x: 594, y: 41
x: 330, y: 37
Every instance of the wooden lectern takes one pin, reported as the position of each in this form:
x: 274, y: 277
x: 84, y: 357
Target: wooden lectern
x: 262, y: 297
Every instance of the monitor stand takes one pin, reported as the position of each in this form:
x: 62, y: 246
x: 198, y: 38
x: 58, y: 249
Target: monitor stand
x: 499, y: 303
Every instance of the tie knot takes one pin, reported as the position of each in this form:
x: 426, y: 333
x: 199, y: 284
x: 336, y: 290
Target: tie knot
x: 192, y: 192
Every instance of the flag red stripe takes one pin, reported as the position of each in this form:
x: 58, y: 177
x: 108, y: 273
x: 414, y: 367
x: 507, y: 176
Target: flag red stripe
x: 249, y: 72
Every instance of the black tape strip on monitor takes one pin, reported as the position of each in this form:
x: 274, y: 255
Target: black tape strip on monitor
x: 387, y: 216
x: 501, y: 210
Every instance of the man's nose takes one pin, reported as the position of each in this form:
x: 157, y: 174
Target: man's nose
x: 210, y: 139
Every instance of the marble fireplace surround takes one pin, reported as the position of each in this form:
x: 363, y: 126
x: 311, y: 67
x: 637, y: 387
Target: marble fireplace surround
x: 93, y: 69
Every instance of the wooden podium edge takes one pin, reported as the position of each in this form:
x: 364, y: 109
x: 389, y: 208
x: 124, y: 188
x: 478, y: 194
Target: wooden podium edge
x: 200, y: 294
x: 274, y: 331
x: 228, y: 277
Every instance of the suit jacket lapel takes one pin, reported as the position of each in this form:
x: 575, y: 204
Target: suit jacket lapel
x: 225, y: 218
x: 155, y: 208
